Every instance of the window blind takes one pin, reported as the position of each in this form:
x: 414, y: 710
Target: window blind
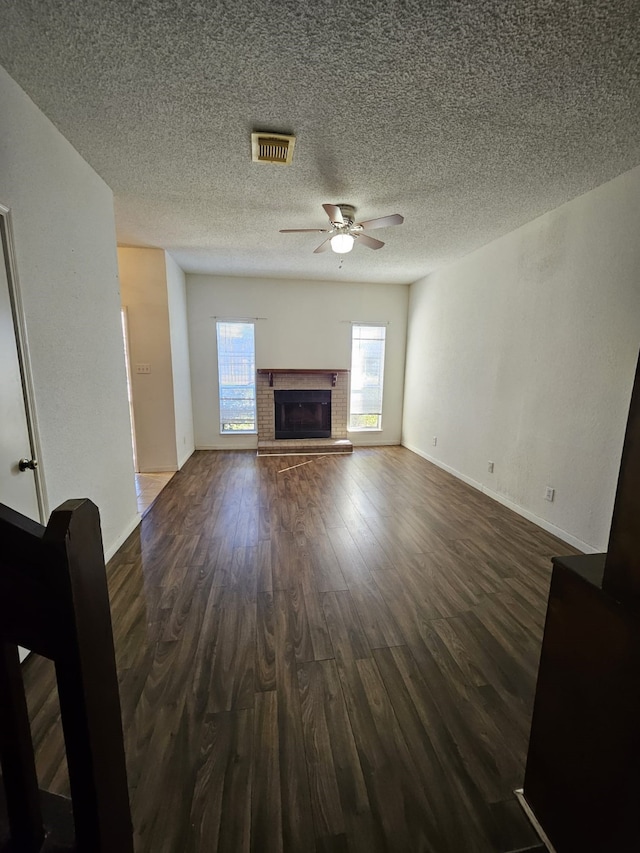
x: 367, y: 371
x: 236, y: 376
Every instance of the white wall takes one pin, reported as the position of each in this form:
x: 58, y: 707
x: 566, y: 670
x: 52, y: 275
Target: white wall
x: 143, y: 280
x: 305, y: 324
x: 66, y: 263
x: 524, y: 352
x: 179, y: 337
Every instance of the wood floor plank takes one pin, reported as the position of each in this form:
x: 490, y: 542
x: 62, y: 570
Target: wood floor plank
x: 322, y: 678
x: 244, y: 570
x: 326, y: 568
x: 297, y: 817
x: 318, y: 632
x: 376, y: 619
x: 152, y: 825
x: 328, y: 817
x: 206, y: 812
x: 395, y: 795
x: 299, y: 632
x: 284, y: 559
x: 235, y: 830
x: 266, y: 805
x: 265, y: 644
x: 348, y: 638
x: 336, y: 656
x: 482, y: 753
x: 352, y: 565
x: 455, y: 789
x: 264, y: 579
x: 231, y: 686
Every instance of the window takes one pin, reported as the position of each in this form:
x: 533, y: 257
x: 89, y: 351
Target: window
x: 236, y: 377
x: 367, y: 370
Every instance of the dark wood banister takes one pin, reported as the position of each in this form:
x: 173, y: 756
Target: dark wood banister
x: 54, y: 600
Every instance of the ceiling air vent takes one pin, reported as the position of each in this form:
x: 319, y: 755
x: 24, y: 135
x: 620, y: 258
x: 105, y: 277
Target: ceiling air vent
x: 272, y: 148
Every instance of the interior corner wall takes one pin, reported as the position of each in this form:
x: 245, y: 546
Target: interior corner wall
x: 143, y: 282
x: 301, y: 324
x: 65, y: 245
x: 179, y: 339
x: 523, y: 354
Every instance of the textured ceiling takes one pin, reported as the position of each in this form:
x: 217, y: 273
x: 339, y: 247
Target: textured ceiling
x: 469, y: 118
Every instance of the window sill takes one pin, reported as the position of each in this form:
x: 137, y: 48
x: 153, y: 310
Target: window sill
x: 240, y: 432
x: 366, y: 429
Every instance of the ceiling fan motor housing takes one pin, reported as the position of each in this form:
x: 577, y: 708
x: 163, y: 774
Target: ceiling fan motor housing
x: 348, y: 213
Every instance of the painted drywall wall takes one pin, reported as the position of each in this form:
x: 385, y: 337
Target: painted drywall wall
x: 64, y: 232
x: 143, y: 281
x: 301, y: 324
x: 523, y: 353
x: 181, y: 370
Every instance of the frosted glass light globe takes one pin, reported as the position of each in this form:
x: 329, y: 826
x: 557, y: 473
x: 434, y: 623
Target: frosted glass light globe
x: 342, y: 243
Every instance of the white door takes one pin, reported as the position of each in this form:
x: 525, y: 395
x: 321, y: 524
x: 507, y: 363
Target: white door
x: 18, y: 488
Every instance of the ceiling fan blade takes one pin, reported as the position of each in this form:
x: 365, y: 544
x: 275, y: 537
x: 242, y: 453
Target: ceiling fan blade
x: 323, y: 246
x: 304, y: 230
x: 334, y: 213
x: 383, y: 221
x: 371, y: 242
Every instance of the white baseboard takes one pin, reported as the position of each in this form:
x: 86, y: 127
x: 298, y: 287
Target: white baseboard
x: 253, y: 446
x: 183, y: 459
x: 520, y: 510
x: 122, y: 537
x: 374, y: 443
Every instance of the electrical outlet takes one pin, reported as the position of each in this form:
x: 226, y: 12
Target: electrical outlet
x: 435, y: 440
x: 490, y: 467
x: 143, y: 368
x: 549, y: 493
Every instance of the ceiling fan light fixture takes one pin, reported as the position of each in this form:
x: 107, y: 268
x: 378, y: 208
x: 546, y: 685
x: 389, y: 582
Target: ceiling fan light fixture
x: 342, y: 243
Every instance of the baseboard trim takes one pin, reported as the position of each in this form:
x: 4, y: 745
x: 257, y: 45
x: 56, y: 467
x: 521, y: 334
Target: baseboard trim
x: 122, y: 538
x: 501, y: 499
x: 374, y: 443
x: 519, y: 792
x: 184, y: 459
x: 253, y: 446
x: 440, y: 464
x: 541, y: 522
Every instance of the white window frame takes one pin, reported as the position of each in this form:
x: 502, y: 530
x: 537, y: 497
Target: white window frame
x: 356, y: 394
x: 246, y: 373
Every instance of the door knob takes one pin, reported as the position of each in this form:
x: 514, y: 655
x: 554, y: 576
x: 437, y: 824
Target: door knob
x: 23, y: 464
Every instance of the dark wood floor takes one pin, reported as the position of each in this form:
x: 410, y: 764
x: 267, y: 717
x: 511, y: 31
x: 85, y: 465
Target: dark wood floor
x: 335, y: 656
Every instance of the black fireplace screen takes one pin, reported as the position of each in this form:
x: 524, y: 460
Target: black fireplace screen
x: 302, y: 414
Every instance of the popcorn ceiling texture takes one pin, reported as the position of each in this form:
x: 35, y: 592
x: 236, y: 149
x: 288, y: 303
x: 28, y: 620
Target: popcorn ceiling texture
x: 470, y: 118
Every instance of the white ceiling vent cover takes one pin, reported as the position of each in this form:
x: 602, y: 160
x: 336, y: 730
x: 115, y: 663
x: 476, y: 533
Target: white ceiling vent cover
x: 272, y: 148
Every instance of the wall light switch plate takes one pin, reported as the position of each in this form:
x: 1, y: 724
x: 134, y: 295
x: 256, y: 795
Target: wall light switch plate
x: 435, y: 440
x: 490, y: 467
x: 549, y: 493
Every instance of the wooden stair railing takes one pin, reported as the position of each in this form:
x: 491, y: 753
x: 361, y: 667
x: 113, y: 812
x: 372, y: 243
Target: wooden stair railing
x: 54, y: 601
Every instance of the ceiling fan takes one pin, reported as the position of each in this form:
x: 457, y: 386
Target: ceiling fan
x: 345, y: 230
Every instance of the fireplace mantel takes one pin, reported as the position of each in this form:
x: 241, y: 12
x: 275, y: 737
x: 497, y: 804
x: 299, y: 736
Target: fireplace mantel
x: 270, y: 371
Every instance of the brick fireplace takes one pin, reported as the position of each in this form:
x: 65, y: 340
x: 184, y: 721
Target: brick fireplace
x: 269, y: 381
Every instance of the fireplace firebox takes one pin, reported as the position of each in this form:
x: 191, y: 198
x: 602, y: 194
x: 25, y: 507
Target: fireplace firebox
x: 302, y: 414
